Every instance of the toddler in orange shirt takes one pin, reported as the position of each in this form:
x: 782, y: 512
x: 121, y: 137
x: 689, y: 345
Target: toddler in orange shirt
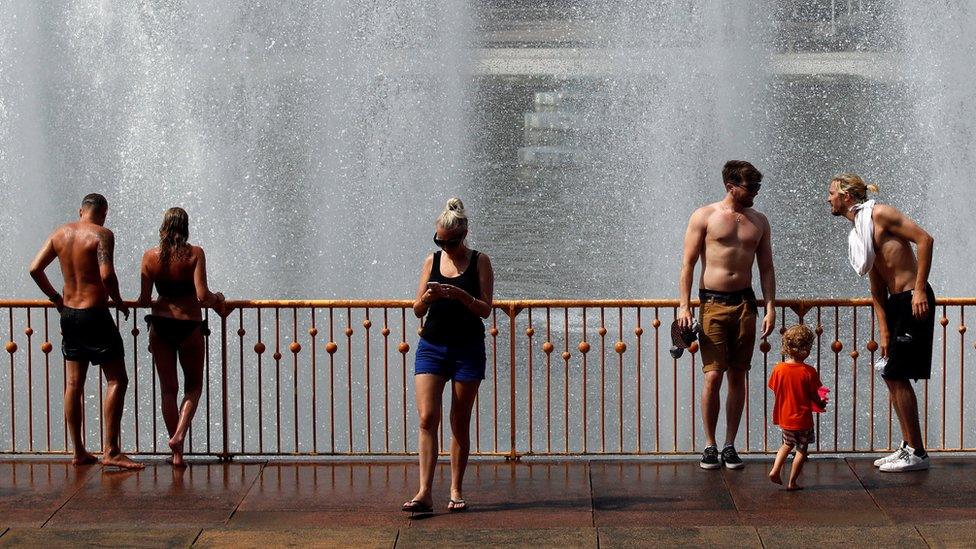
x: 797, y: 389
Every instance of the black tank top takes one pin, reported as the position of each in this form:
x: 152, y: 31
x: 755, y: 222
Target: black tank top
x: 448, y: 320
x: 173, y: 289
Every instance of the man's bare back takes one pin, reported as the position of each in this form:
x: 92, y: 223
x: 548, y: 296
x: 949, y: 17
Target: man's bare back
x: 81, y: 247
x: 895, y: 261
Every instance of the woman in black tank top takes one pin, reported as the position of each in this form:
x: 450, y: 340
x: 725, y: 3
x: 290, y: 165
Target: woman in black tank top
x: 455, y: 294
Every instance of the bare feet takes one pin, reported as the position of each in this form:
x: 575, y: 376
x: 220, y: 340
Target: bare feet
x: 793, y: 487
x: 776, y: 477
x: 84, y: 458
x: 177, y: 448
x: 121, y: 461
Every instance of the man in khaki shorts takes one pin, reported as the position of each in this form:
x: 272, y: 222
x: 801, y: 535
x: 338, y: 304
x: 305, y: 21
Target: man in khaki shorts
x: 729, y: 236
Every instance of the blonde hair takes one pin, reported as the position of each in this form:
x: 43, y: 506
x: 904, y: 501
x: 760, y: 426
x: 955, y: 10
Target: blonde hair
x: 173, y: 235
x: 852, y: 185
x: 797, y: 340
x: 453, y: 216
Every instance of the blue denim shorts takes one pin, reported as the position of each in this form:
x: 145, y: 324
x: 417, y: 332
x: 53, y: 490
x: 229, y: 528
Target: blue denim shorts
x: 457, y: 362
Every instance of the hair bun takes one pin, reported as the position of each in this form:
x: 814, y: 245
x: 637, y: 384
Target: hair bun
x: 455, y: 205
x: 872, y: 187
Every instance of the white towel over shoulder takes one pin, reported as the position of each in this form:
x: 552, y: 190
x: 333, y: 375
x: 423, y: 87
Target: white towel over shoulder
x: 861, y: 239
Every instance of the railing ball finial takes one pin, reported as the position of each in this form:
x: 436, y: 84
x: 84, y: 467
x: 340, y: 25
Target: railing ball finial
x: 331, y: 347
x: 855, y: 354
x: 241, y: 332
x: 530, y: 331
x: 295, y: 347
x: 872, y: 346
x: 28, y: 331
x: 259, y: 348
x: 367, y: 324
x: 764, y: 347
x: 818, y: 330
x: 602, y: 331
x: 962, y: 329
x: 584, y: 347
x: 46, y: 347
x: 11, y: 347
x: 944, y: 321
x: 313, y: 331
x: 493, y: 331
x: 620, y: 347
x: 656, y: 323
x: 348, y: 332
x: 385, y: 332
x: 547, y: 347
x: 566, y: 355
x: 693, y: 348
x: 403, y: 347
x: 836, y: 346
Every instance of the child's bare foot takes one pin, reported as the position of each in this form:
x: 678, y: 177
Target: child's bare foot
x: 776, y: 477
x: 121, y: 461
x: 793, y: 487
x: 84, y: 458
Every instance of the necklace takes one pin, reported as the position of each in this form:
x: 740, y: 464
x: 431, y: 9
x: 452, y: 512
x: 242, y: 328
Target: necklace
x: 735, y: 215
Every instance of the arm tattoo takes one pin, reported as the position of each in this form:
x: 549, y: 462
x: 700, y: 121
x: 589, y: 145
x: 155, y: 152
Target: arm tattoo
x: 104, y: 250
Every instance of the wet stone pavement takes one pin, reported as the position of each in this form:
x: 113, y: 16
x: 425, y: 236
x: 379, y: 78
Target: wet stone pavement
x: 534, y: 503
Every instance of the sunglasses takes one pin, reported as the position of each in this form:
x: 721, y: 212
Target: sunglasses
x: 447, y: 243
x: 751, y: 187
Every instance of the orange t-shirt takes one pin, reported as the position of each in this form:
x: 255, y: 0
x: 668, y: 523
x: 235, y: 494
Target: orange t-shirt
x: 795, y: 387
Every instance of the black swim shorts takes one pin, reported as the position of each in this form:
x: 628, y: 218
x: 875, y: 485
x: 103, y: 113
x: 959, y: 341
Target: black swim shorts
x: 90, y: 335
x: 909, y: 339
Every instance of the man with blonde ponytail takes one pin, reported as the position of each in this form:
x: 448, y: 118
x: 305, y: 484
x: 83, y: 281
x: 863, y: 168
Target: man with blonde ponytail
x: 729, y: 237
x: 904, y: 303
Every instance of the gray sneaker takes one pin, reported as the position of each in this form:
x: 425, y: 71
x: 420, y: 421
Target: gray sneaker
x: 731, y: 458
x: 709, y: 459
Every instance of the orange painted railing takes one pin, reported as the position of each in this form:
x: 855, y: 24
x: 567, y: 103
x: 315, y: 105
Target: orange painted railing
x: 564, y: 377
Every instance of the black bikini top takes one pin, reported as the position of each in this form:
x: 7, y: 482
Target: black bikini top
x: 172, y: 289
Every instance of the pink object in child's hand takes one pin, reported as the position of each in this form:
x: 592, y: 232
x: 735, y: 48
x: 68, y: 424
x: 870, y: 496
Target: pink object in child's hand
x: 822, y: 393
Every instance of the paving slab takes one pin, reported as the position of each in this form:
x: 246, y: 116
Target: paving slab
x: 817, y: 537
x: 832, y: 495
x: 517, y: 494
x: 30, y: 492
x: 308, y: 537
x: 667, y: 493
x: 690, y: 536
x: 955, y: 534
x: 946, y: 491
x: 506, y: 537
x: 204, y: 487
x: 67, y: 537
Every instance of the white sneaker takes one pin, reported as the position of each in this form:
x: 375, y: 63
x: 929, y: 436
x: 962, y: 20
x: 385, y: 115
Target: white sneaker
x: 892, y: 457
x: 908, y: 461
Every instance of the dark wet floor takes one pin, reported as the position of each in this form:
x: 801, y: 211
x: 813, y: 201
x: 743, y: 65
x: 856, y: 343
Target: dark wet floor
x: 559, y: 504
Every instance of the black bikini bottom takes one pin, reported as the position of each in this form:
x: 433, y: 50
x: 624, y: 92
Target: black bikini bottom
x: 174, y: 331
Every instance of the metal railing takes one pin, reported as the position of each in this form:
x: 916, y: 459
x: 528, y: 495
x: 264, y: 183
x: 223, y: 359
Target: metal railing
x: 564, y: 377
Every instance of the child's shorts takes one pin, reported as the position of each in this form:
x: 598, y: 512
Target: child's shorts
x: 799, y: 439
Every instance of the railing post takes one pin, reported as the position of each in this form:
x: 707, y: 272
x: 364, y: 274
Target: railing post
x: 513, y: 455
x: 225, y: 456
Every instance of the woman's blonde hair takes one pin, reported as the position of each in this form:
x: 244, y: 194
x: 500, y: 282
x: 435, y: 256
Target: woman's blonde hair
x: 797, y: 340
x: 174, y: 233
x: 852, y: 185
x: 453, y: 216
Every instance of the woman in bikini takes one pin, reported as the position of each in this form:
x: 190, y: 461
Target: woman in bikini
x: 176, y: 325
x: 455, y: 294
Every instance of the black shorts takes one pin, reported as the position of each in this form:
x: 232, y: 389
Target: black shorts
x: 909, y: 339
x: 90, y: 335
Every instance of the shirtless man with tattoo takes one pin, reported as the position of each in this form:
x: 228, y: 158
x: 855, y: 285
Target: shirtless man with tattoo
x: 85, y: 251
x: 728, y: 237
